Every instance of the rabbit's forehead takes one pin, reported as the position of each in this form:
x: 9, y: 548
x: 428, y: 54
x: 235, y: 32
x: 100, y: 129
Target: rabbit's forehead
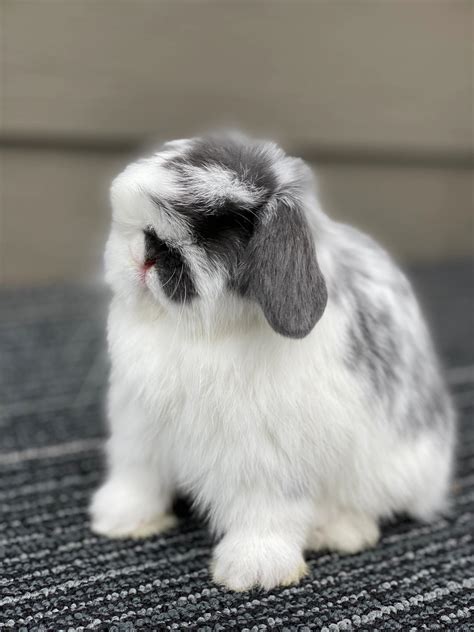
x: 211, y: 171
x: 189, y: 179
x: 212, y: 184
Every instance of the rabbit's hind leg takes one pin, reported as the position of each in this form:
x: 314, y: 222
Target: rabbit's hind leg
x: 346, y: 532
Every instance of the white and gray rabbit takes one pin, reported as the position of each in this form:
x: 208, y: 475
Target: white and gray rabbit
x: 266, y: 360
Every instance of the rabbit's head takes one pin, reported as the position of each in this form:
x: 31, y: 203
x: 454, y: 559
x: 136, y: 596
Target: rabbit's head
x: 217, y: 221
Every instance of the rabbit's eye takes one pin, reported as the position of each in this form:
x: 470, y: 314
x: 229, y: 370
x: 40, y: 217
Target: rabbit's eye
x: 155, y: 248
x: 172, y: 269
x: 149, y: 231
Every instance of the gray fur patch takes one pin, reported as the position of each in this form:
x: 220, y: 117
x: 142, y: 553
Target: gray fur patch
x: 400, y: 366
x: 373, y: 347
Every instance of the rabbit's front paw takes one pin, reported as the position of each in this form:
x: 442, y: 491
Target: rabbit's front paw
x: 242, y: 563
x: 119, y: 510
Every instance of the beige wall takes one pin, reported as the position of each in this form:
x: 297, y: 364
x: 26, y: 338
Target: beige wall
x: 377, y: 95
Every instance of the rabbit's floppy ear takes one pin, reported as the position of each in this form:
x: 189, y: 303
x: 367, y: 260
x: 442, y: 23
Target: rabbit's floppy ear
x: 281, y: 271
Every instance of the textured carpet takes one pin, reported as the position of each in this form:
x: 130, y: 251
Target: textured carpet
x: 56, y: 575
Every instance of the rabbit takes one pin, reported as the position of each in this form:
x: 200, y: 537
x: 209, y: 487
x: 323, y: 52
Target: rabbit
x: 265, y: 360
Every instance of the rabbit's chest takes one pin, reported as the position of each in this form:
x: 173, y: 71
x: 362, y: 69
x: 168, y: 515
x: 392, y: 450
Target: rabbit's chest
x: 223, y: 412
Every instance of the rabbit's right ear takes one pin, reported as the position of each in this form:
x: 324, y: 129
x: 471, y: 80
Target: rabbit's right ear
x: 281, y: 271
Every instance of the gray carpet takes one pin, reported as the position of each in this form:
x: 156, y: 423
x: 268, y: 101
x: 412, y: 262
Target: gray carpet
x: 56, y: 575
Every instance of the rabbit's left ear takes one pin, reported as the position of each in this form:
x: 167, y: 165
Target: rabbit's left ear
x: 281, y: 272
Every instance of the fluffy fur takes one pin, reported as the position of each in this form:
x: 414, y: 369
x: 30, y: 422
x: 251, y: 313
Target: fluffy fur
x: 266, y: 360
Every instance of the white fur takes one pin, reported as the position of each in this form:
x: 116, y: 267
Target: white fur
x: 216, y: 183
x: 275, y: 438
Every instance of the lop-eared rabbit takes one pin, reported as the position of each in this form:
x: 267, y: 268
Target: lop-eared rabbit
x: 269, y: 362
